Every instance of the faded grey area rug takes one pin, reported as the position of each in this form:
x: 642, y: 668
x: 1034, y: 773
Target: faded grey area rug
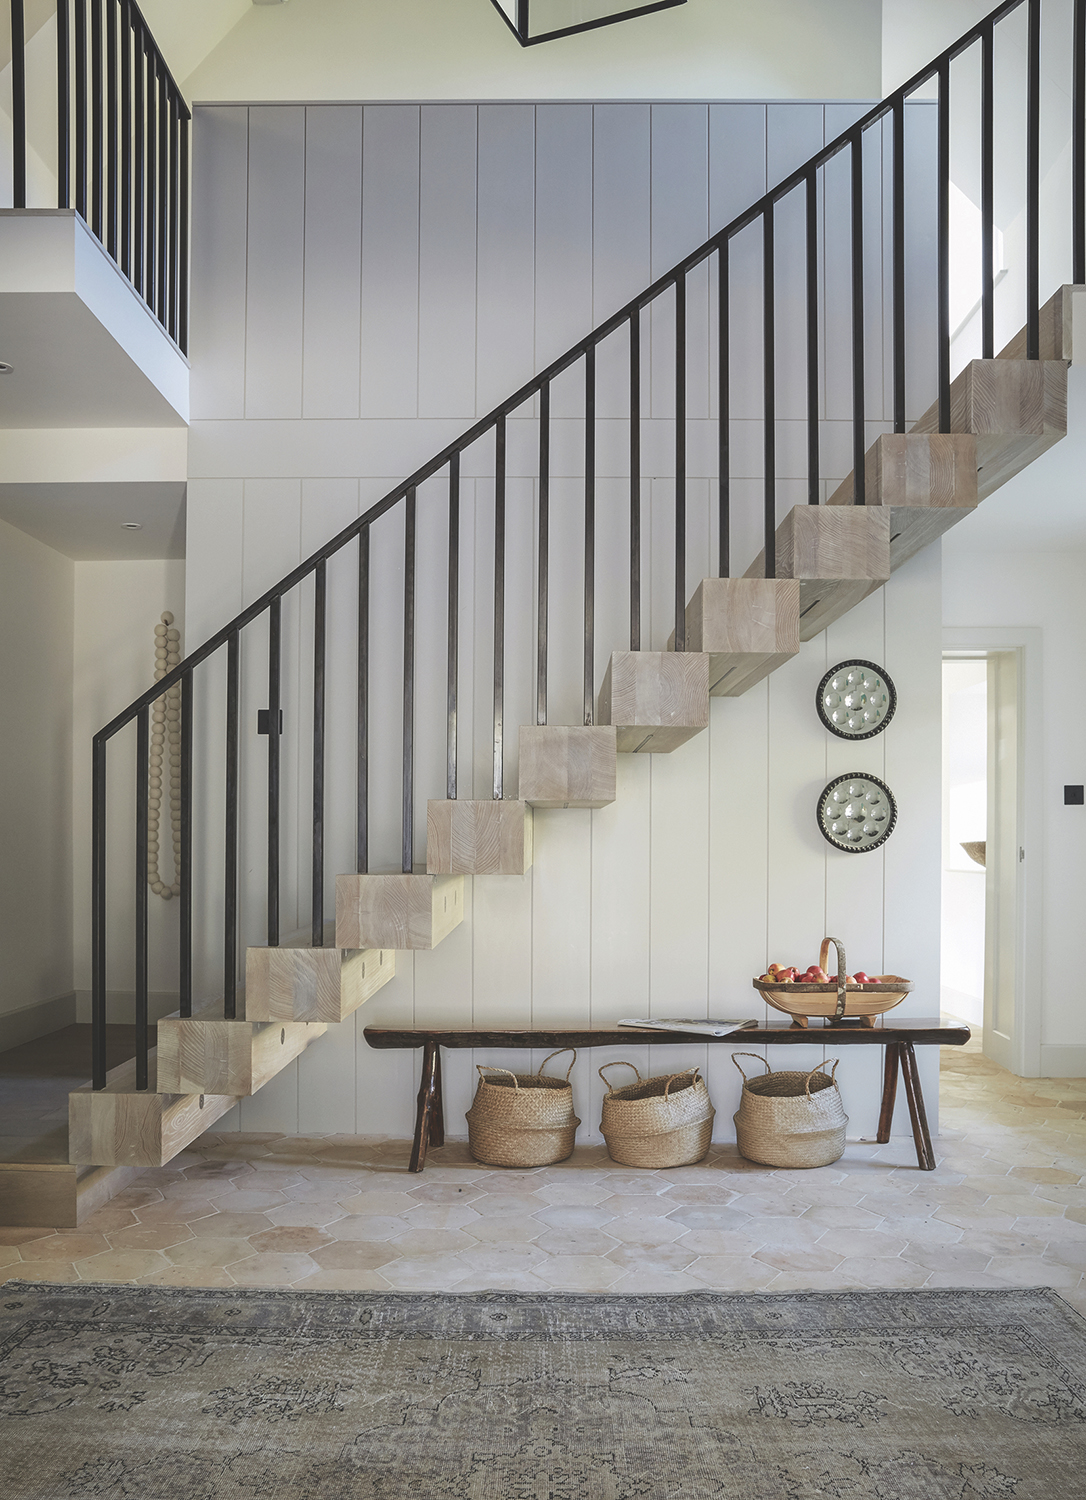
x: 163, y: 1394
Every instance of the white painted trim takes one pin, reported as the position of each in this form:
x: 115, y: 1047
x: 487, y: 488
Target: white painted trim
x: 40, y: 1019
x: 1027, y: 641
x: 1060, y: 1060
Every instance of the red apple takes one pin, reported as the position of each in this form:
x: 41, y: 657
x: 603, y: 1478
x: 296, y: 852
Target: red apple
x: 862, y: 978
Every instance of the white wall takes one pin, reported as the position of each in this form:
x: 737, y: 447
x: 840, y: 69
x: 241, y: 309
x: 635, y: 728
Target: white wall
x: 965, y: 813
x: 35, y: 773
x: 117, y: 605
x: 366, y: 281
x: 462, y: 49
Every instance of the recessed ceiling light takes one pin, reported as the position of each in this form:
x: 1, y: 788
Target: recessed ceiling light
x: 6, y: 369
x: 131, y: 525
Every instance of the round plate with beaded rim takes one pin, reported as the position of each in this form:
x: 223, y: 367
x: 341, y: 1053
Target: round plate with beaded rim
x: 856, y: 699
x: 856, y: 812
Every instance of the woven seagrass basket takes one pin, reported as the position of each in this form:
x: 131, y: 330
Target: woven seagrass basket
x: 657, y: 1122
x: 522, y: 1119
x: 790, y: 1119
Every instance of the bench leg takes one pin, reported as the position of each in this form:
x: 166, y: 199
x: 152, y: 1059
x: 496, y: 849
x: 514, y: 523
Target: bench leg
x: 889, y: 1092
x: 429, y: 1125
x: 925, y: 1156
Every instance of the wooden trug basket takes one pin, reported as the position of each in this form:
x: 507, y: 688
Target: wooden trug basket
x: 836, y: 1000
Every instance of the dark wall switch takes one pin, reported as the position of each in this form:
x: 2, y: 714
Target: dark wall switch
x: 1073, y: 796
x: 263, y: 721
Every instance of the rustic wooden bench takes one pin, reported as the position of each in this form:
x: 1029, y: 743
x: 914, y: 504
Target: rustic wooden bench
x: 900, y: 1040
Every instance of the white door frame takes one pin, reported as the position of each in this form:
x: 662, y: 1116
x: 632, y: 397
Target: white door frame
x: 1026, y: 642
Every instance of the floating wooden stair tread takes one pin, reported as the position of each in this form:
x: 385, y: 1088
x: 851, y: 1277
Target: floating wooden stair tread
x: 568, y: 765
x: 747, y: 626
x: 837, y: 554
x: 1016, y: 409
x: 927, y: 481
x: 465, y: 837
x: 397, y: 910
x: 656, y: 700
x: 1055, y: 328
x: 297, y: 982
x: 207, y: 1054
x: 56, y: 1194
x: 123, y: 1126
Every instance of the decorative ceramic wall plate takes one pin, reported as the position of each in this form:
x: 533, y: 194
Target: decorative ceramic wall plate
x: 857, y: 812
x: 855, y: 700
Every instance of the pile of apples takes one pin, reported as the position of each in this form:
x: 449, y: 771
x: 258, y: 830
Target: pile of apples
x: 777, y: 974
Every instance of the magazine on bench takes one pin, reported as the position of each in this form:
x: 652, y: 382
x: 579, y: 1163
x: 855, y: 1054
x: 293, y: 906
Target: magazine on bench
x: 700, y: 1028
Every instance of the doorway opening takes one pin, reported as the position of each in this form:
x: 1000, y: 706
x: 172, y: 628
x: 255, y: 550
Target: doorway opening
x: 982, y: 934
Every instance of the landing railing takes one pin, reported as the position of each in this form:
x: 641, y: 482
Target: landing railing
x: 703, y: 340
x: 121, y: 151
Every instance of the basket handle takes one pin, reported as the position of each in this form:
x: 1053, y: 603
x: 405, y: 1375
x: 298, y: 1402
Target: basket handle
x: 546, y: 1060
x: 690, y: 1073
x: 739, y: 1065
x: 610, y: 1086
x: 484, y: 1068
x: 833, y: 1075
x: 822, y: 957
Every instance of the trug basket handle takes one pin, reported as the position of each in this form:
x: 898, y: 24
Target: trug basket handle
x: 822, y: 957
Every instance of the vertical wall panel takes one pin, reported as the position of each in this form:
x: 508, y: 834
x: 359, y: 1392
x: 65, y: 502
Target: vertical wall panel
x: 273, y: 370
x: 447, y: 252
x: 505, y: 327
x: 709, y: 863
x: 333, y: 231
x: 220, y: 212
x: 390, y: 260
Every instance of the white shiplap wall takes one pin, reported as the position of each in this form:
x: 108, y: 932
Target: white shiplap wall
x: 369, y: 279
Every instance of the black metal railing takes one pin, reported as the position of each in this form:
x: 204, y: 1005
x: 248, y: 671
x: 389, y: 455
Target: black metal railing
x: 823, y: 241
x: 122, y: 146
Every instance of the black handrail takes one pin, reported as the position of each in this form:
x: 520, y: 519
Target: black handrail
x: 626, y: 322
x: 119, y: 101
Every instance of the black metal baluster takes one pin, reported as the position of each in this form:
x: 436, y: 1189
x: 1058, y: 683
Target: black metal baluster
x: 184, y: 875
x: 18, y: 104
x: 81, y: 107
x: 1078, y: 143
x: 589, y: 532
x: 813, y: 431
x: 409, y: 684
x: 724, y: 417
x: 898, y: 194
x: 126, y: 139
x: 769, y: 393
x: 859, y: 434
x: 97, y: 136
x: 499, y: 606
x: 139, y: 169
x: 943, y: 271
x: 183, y: 255
x: 174, y: 228
x: 163, y: 196
x: 362, y: 723
x: 64, y: 107
x: 635, y: 481
x: 230, y: 900
x: 543, y: 585
x: 143, y: 872
x: 98, y: 912
x: 987, y: 193
x: 319, y: 592
x: 680, y: 463
x: 150, y: 189
x: 1033, y: 183
x: 453, y: 628
x: 112, y: 163
x: 274, y: 652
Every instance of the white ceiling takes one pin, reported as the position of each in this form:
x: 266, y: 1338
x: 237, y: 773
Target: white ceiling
x: 83, y: 521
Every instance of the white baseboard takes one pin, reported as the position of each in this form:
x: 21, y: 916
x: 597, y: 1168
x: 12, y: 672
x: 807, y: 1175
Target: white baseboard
x: 1063, y: 1061
x: 121, y: 1006
x: 33, y: 1021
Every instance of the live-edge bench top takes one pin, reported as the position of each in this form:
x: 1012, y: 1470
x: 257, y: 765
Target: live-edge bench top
x: 920, y: 1031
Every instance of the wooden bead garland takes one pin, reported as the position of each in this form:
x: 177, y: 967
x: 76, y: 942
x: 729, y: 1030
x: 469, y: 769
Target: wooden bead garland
x: 165, y: 747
